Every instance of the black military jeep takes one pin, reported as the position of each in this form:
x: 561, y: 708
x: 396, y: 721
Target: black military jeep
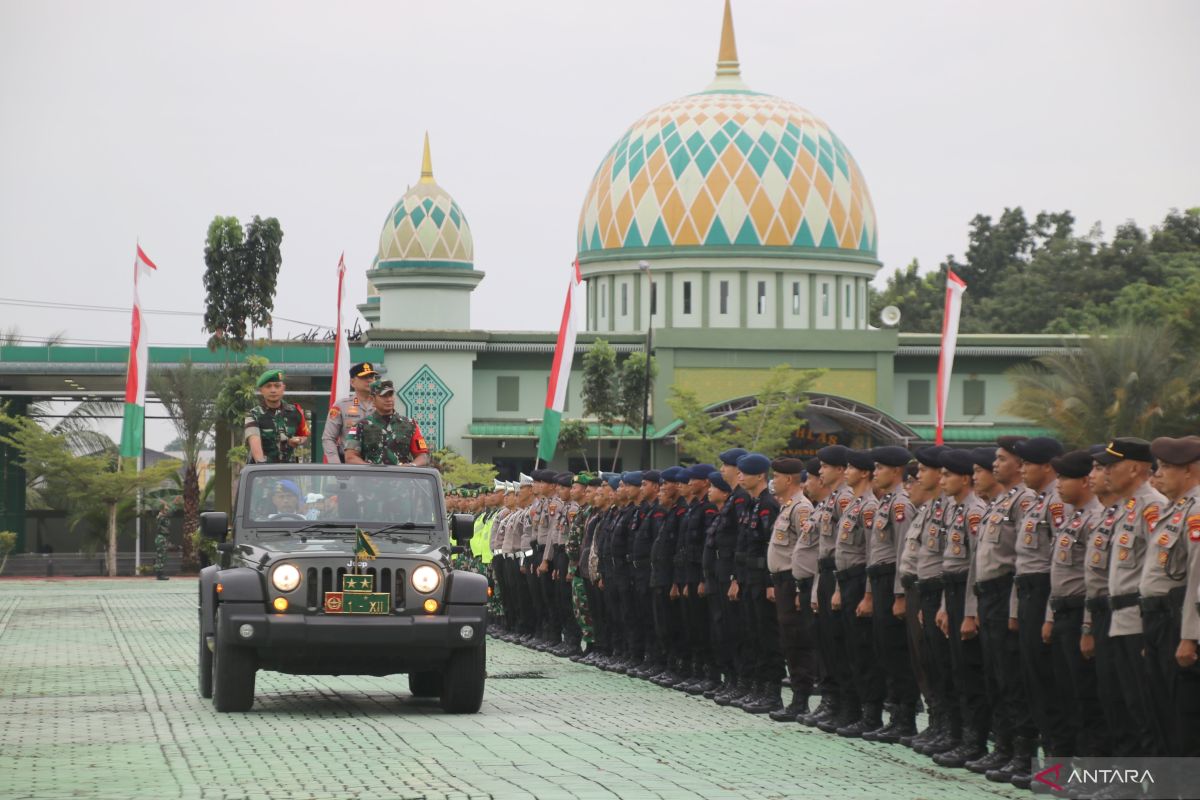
x: 299, y: 592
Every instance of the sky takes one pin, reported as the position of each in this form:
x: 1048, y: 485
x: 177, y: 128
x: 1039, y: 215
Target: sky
x: 140, y: 121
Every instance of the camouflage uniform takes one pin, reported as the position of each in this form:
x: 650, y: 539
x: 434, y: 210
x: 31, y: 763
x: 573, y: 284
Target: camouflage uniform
x: 579, y: 601
x: 274, y: 427
x: 386, y: 440
x: 163, y: 521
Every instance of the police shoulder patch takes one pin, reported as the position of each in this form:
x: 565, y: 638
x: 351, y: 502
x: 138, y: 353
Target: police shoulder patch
x: 843, y: 501
x: 1026, y: 503
x: 334, y: 411
x: 868, y: 517
x: 1193, y: 526
x: 898, y: 512
x: 1151, y: 514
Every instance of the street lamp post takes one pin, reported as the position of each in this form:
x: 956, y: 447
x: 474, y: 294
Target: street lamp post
x: 644, y: 266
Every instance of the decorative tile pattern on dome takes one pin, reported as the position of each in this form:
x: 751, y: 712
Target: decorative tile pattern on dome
x: 426, y: 225
x: 728, y: 168
x: 425, y: 398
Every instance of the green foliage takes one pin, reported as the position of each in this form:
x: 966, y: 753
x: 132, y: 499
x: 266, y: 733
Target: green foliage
x: 8, y: 541
x: 767, y: 427
x: 573, y: 438
x: 631, y: 390
x: 237, y: 394
x: 458, y: 471
x: 241, y: 272
x: 600, y: 388
x: 1132, y: 382
x: 1041, y: 276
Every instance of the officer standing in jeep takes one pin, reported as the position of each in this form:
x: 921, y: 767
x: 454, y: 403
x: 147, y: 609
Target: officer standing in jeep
x: 349, y: 411
x: 274, y: 427
x: 386, y: 437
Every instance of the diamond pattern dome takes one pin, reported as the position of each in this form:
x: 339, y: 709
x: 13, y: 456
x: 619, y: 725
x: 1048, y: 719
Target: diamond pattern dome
x: 425, y: 228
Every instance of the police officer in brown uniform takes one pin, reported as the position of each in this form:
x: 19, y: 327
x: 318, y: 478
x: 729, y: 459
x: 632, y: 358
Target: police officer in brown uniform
x: 1127, y: 462
x: 1185, y: 653
x: 1163, y: 583
x: 349, y: 411
x: 795, y: 630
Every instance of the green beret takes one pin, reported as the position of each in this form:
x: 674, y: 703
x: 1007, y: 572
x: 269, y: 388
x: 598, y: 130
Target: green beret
x: 268, y: 376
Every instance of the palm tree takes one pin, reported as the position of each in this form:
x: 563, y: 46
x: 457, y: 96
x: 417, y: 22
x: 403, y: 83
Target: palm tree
x: 1128, y: 382
x: 189, y: 395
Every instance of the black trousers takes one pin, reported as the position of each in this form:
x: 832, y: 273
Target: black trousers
x: 1001, y: 665
x: 762, y: 631
x: 915, y: 636
x: 667, y: 627
x: 631, y: 623
x: 831, y: 636
x: 796, y: 631
x: 562, y: 597
x: 966, y: 663
x: 614, y: 606
x: 643, y: 619
x: 596, y: 599
x: 552, y: 621
x: 725, y: 632
x: 1075, y: 683
x: 1117, y: 724
x: 1131, y: 677
x: 891, y: 642
x: 1037, y: 664
x: 526, y: 611
x: 937, y: 648
x: 865, y: 670
x: 1160, y: 631
x: 1189, y: 711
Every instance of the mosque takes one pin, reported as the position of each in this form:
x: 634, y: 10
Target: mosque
x: 760, y: 238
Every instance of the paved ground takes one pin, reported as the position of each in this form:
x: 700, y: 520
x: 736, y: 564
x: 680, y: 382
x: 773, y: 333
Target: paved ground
x: 98, y: 700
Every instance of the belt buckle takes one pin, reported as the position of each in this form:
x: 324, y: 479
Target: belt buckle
x: 527, y: 553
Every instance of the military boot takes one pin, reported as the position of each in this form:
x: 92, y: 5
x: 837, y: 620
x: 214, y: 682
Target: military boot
x: 871, y: 719
x: 934, y: 729
x: 1026, y: 750
x: 794, y: 709
x: 1019, y: 763
x: 825, y: 708
x: 970, y: 747
x: 903, y: 723
x: 847, y: 714
x: 950, y: 739
x: 754, y: 691
x: 1001, y: 754
x: 769, y: 699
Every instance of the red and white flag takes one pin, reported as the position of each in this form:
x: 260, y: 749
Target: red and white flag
x: 954, y: 293
x: 560, y: 372
x: 340, y: 385
x: 135, y: 373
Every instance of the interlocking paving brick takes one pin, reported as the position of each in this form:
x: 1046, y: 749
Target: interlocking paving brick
x: 98, y: 699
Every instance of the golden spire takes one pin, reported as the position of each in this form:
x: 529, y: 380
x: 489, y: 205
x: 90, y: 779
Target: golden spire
x: 426, y: 163
x: 727, y: 57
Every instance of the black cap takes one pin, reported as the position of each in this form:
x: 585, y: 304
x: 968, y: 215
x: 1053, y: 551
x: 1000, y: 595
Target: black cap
x: 891, y: 456
x: 1176, y: 451
x: 984, y: 457
x: 1009, y: 443
x: 788, y: 466
x: 861, y: 459
x: 545, y: 476
x: 813, y: 466
x: 1075, y: 464
x: 731, y: 456
x: 363, y: 369
x: 652, y: 475
x: 1125, y: 448
x: 959, y: 462
x: 716, y: 480
x: 564, y: 479
x: 834, y: 455
x: 1039, y: 450
x: 930, y: 456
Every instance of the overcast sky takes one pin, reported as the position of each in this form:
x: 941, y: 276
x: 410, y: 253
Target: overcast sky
x: 123, y: 120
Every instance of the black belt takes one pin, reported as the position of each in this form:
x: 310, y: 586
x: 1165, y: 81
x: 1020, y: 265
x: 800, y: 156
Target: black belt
x: 804, y: 586
x: 957, y: 578
x: 929, y: 585
x: 878, y: 570
x: 852, y: 572
x: 724, y: 555
x: 1032, y: 579
x: 1117, y: 602
x: 756, y: 563
x: 827, y: 563
x: 1096, y: 605
x: 1067, y: 603
x: 739, y: 559
x: 1003, y: 583
x: 908, y: 580
x: 639, y: 563
x: 1163, y: 602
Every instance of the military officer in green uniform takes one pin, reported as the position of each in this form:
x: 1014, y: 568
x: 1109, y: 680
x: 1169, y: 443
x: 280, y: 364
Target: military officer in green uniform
x: 385, y: 437
x: 349, y: 411
x: 163, y: 523
x: 274, y: 427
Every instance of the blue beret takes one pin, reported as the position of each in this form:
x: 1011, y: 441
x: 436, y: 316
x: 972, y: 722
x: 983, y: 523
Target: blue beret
x: 732, y: 455
x: 672, y: 475
x: 564, y: 479
x: 834, y: 455
x: 288, y: 486
x: 632, y: 478
x: 699, y: 472
x: 959, y: 462
x: 861, y: 459
x: 813, y: 466
x: 930, y: 456
x: 652, y: 475
x: 614, y: 481
x: 716, y: 480
x: 984, y: 457
x: 753, y: 464
x: 891, y: 456
x: 1039, y: 450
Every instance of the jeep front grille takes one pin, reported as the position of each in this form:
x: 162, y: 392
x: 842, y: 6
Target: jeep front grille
x: 327, y: 579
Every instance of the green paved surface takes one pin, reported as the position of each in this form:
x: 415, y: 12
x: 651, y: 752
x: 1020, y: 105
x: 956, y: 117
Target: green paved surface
x: 98, y: 699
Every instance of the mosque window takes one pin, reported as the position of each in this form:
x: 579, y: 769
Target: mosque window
x: 846, y: 303
x: 796, y: 297
x: 762, y: 297
x: 918, y: 398
x: 653, y: 298
x: 508, y: 393
x: 624, y: 299
x: 687, y: 297
x: 603, y: 304
x: 973, y: 404
x: 724, y: 296
x: 825, y: 299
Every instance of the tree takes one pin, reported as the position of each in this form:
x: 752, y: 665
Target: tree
x: 8, y: 541
x: 236, y: 397
x: 458, y: 471
x: 241, y: 271
x: 96, y: 480
x: 189, y: 395
x: 573, y: 438
x: 701, y: 434
x: 631, y: 393
x: 1130, y: 382
x: 600, y: 390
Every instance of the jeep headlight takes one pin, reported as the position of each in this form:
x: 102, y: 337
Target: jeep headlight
x: 285, y: 577
x: 426, y: 579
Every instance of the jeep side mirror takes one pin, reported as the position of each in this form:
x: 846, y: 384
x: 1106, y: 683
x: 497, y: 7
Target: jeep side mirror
x: 462, y: 529
x: 214, y: 525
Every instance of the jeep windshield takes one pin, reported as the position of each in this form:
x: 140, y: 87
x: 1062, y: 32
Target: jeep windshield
x: 331, y: 503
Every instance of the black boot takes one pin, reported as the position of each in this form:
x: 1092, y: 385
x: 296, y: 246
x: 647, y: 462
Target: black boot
x: 1026, y: 750
x: 723, y: 684
x: 753, y: 691
x: 936, y: 728
x: 972, y: 746
x: 904, y: 723
x: 794, y: 709
x: 769, y: 700
x: 737, y: 690
x: 824, y: 709
x: 1000, y: 755
x: 871, y: 719
x: 846, y: 714
x: 1021, y: 753
x: 950, y: 739
x: 711, y: 679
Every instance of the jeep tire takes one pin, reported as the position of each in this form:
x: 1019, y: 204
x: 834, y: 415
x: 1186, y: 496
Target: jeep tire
x: 204, y: 665
x: 233, y: 673
x: 462, y: 690
x: 425, y: 684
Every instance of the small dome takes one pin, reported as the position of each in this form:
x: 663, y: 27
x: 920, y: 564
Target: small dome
x: 729, y: 168
x: 425, y: 228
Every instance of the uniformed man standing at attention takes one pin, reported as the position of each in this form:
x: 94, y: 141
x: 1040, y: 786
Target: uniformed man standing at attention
x: 385, y: 437
x: 274, y: 427
x: 794, y: 621
x: 348, y: 412
x: 1185, y: 653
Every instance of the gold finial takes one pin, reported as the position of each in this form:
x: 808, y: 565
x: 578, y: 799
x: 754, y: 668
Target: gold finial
x: 727, y: 57
x: 426, y: 163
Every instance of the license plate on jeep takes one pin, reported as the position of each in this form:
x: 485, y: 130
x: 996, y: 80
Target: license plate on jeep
x: 357, y: 603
